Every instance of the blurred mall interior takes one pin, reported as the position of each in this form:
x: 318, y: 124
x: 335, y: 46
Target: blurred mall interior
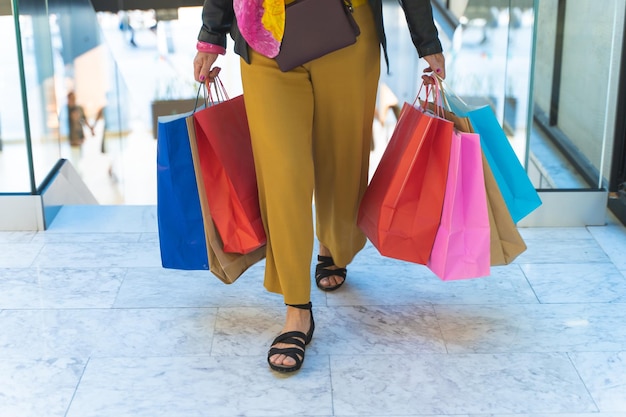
x: 560, y: 97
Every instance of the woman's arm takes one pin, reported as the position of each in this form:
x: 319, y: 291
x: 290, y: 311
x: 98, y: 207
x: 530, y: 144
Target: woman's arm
x: 217, y: 19
x: 419, y: 16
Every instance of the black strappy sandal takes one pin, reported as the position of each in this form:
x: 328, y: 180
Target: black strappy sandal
x: 298, y: 339
x: 322, y: 271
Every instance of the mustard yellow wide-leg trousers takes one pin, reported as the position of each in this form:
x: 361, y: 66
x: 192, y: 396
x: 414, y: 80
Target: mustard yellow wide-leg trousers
x: 311, y: 132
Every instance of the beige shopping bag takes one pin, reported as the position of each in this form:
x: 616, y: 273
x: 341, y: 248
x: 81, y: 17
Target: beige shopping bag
x: 226, y: 266
x: 506, y: 241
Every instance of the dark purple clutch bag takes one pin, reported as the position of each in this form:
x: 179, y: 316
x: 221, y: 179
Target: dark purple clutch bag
x: 314, y: 28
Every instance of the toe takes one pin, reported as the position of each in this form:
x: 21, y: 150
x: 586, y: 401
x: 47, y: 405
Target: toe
x: 336, y: 280
x: 331, y: 281
x: 282, y: 360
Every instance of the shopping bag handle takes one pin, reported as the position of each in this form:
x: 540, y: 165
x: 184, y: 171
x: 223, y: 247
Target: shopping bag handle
x: 201, y: 87
x: 220, y: 91
x: 447, y: 93
x: 444, y: 99
x: 211, y: 98
x: 435, y: 91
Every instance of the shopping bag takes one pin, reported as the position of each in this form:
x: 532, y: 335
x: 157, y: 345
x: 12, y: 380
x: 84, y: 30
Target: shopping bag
x: 506, y: 241
x: 462, y: 244
x: 226, y: 266
x: 227, y: 167
x: 179, y: 217
x: 518, y: 192
x: 401, y: 207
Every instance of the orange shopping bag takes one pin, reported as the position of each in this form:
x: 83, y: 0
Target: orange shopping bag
x: 227, y: 166
x: 401, y: 208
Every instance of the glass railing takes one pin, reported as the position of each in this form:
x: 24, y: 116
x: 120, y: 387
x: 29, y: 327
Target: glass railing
x: 551, y: 86
x: 76, y: 103
x: 16, y: 174
x: 575, y: 80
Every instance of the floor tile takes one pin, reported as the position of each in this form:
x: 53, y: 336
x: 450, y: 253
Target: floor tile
x: 159, y: 287
x: 533, y: 328
x: 37, y: 388
x: 599, y: 414
x: 107, y: 255
x: 91, y: 238
x: 47, y: 288
x: 18, y: 255
x: 569, y: 283
x: 604, y: 375
x: 543, y: 336
x: 152, y: 237
x: 357, y: 330
x: 200, y: 387
x: 555, y: 250
x: 375, y: 280
x: 457, y: 384
x: 16, y: 237
x: 555, y: 233
x: 96, y: 333
x: 392, y: 330
x: 612, y: 239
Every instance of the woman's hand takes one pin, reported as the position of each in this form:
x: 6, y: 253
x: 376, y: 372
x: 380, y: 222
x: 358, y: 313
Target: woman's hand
x: 203, y: 70
x: 437, y: 64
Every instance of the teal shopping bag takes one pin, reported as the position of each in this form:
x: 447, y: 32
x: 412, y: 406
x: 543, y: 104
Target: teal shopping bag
x: 519, y: 194
x: 179, y: 215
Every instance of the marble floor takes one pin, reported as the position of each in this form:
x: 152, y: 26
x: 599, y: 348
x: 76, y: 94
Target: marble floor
x: 91, y: 325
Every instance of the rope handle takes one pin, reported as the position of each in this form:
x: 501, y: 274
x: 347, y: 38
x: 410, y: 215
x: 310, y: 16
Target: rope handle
x: 211, y: 98
x: 220, y: 91
x: 433, y: 90
x: 447, y: 92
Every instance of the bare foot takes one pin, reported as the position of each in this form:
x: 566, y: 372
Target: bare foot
x: 297, y: 320
x: 333, y: 280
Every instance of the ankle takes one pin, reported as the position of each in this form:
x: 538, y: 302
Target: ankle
x: 294, y: 313
x: 324, y: 251
x: 306, y: 306
x: 298, y: 317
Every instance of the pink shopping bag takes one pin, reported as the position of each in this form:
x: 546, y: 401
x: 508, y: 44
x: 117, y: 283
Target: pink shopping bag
x: 462, y: 243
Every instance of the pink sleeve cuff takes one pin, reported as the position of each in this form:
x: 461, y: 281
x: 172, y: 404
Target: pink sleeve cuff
x: 210, y: 48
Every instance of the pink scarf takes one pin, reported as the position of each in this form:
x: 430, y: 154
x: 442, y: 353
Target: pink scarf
x: 262, y: 24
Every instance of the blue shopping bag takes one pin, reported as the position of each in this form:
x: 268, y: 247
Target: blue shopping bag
x: 519, y: 194
x: 180, y: 223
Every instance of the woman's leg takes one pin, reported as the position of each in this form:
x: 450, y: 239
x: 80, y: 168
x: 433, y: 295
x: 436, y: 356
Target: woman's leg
x: 280, y: 115
x: 345, y: 86
x: 281, y: 109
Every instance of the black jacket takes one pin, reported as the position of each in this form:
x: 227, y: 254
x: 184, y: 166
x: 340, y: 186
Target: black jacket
x: 218, y: 19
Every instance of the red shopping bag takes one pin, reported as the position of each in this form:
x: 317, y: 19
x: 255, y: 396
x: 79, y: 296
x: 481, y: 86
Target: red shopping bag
x: 227, y: 165
x: 401, y: 208
x: 463, y: 242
